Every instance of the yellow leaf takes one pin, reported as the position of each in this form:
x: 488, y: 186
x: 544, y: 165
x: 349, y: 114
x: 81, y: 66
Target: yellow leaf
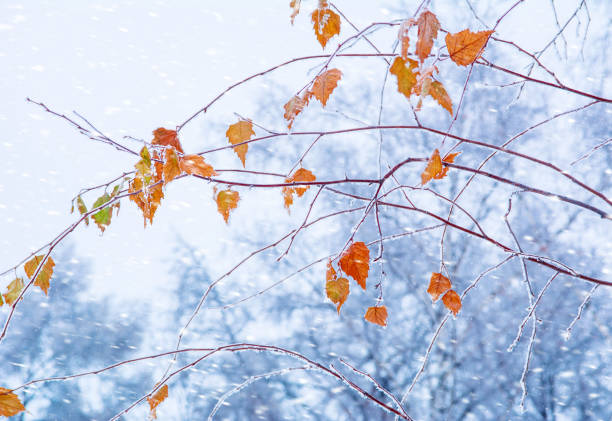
x: 326, y: 23
x: 452, y: 301
x: 166, y: 137
x: 196, y: 165
x: 171, y: 166
x: 437, y: 92
x: 9, y: 403
x: 428, y: 31
x: 406, y: 78
x: 44, y: 276
x: 324, y: 85
x: 337, y: 291
x: 295, y: 6
x: 14, y: 289
x: 143, y: 167
x: 466, y: 46
x: 227, y: 200
x: 156, y: 399
x: 238, y: 133
x: 355, y: 262
x: 301, y: 175
x: 438, y: 285
x: 377, y: 315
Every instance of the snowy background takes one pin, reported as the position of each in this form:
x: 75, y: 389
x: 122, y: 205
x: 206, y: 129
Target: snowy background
x: 130, y: 67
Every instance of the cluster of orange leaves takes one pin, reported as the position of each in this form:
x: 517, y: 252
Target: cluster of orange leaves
x: 440, y: 284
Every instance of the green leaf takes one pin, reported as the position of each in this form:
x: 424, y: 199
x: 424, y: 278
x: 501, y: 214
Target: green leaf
x: 102, y: 218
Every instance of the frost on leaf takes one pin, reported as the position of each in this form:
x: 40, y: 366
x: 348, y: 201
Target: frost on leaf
x: 171, y: 167
x: 337, y: 291
x: 324, y: 85
x: 330, y: 275
x: 166, y: 137
x: 428, y: 31
x: 301, y: 175
x: 196, y: 165
x: 13, y: 291
x: 377, y: 315
x: 438, y: 285
x: 406, y: 78
x: 466, y: 46
x: 45, y: 273
x: 403, y: 37
x: 156, y: 399
x: 452, y: 301
x: 326, y: 23
x: 147, y: 198
x: 295, y: 9
x: 294, y: 107
x: 9, y: 403
x: 227, y: 200
x: 238, y: 133
x: 437, y: 92
x: 355, y: 262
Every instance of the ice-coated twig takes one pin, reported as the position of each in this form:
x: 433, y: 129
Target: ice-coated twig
x: 251, y: 380
x: 568, y: 331
x: 528, y: 355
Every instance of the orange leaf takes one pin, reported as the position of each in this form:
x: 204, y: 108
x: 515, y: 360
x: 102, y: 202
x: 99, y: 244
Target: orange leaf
x: 156, y: 399
x: 437, y: 92
x: 438, y: 285
x: 377, y: 315
x: 196, y: 165
x: 238, y: 133
x: 337, y: 291
x: 452, y: 301
x: 326, y: 23
x: 324, y: 85
x: 9, y: 403
x: 330, y: 275
x: 406, y: 79
x: 227, y: 200
x: 428, y: 31
x: 294, y: 107
x: 166, y: 137
x: 434, y: 167
x: 148, y: 199
x: 355, y: 262
x: 14, y: 289
x: 466, y: 46
x: 300, y: 176
x: 295, y: 6
x: 171, y: 166
x: 403, y: 37
x: 448, y: 158
x: 44, y: 276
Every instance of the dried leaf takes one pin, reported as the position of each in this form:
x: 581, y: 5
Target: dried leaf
x: 82, y: 209
x: 466, y: 46
x: 337, y: 291
x: 406, y: 78
x: 377, y: 315
x: 452, y: 301
x: 156, y: 399
x: 428, y: 31
x: 437, y: 92
x: 326, y: 23
x: 448, y: 158
x: 302, y: 175
x: 45, y: 273
x: 171, y: 166
x: 438, y: 285
x: 404, y: 38
x: 9, y: 403
x: 148, y: 199
x: 434, y: 167
x: 294, y: 107
x: 238, y: 133
x: 166, y: 137
x: 13, y: 291
x: 227, y: 200
x: 324, y: 85
x: 330, y: 275
x: 196, y: 165
x: 355, y: 262
x: 295, y: 6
